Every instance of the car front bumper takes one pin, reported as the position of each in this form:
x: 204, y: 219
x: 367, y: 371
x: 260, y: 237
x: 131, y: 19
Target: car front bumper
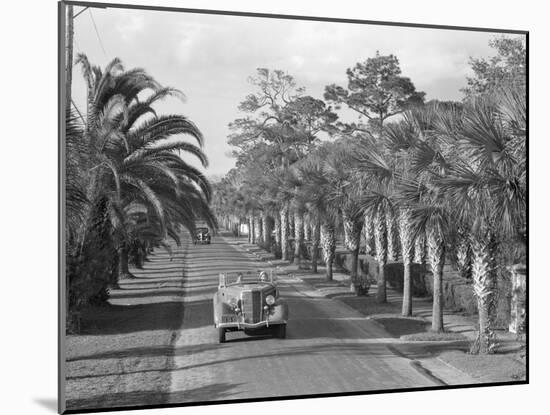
x: 241, y: 326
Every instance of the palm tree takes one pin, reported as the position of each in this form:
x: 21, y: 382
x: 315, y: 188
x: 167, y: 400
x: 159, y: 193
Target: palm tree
x: 258, y: 230
x: 369, y: 233
x: 318, y: 195
x: 75, y: 195
x: 400, y: 139
x: 307, y: 228
x: 380, y: 245
x: 463, y: 253
x: 134, y: 155
x: 434, y: 221
x: 421, y: 215
x: 407, y: 249
x: 420, y: 249
x: 392, y: 234
x: 428, y: 214
x: 488, y: 187
x: 298, y: 234
x: 346, y: 194
x: 328, y: 243
x: 379, y: 176
x: 267, y: 226
x: 284, y: 182
x: 284, y: 230
x: 315, y: 240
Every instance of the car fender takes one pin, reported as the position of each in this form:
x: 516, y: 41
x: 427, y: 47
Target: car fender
x: 279, y: 311
x: 220, y: 307
x: 217, y: 311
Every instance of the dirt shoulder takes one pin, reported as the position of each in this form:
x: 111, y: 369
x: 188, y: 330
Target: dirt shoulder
x: 124, y: 352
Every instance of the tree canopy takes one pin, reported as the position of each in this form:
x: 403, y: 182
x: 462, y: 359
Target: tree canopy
x: 507, y: 67
x: 376, y: 89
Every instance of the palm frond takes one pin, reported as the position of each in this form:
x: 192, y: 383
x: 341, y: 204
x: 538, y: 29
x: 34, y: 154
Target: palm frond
x: 168, y: 145
x: 163, y: 127
x: 148, y: 195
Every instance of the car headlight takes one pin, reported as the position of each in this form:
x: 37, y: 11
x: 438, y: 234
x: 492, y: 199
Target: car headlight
x: 233, y: 303
x: 270, y: 300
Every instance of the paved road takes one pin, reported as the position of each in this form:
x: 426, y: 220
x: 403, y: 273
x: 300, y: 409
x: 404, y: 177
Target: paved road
x: 329, y: 348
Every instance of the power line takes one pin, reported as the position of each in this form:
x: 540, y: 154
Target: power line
x: 80, y: 12
x: 97, y: 32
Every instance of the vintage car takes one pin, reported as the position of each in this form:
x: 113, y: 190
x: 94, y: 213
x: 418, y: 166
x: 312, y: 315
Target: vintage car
x: 249, y: 303
x: 202, y: 236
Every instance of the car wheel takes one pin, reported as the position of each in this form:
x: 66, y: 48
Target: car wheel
x: 281, y: 331
x: 221, y: 335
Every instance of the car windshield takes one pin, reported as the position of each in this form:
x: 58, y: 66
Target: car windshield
x: 248, y: 277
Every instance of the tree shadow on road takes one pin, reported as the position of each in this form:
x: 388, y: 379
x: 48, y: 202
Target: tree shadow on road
x: 119, y: 319
x: 147, y: 293
x: 141, y: 352
x: 217, y: 391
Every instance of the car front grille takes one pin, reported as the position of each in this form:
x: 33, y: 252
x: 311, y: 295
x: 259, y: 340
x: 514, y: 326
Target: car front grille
x: 252, y: 306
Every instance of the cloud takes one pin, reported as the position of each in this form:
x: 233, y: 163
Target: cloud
x: 131, y: 23
x: 210, y: 57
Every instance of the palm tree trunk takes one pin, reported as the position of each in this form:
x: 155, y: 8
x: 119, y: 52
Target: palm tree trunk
x: 307, y: 229
x: 405, y: 235
x: 369, y: 234
x: 406, y: 307
x: 464, y: 255
x: 354, y: 275
x: 298, y: 237
x: 316, y: 236
x: 393, y: 252
x: 257, y: 230
x: 420, y: 249
x: 277, y: 246
x: 290, y: 223
x: 250, y: 230
x: 436, y: 258
x: 140, y: 257
x: 380, y: 243
x: 284, y: 232
x: 123, y: 262
x: 483, y: 274
x: 266, y: 230
x: 328, y: 242
x: 352, y: 238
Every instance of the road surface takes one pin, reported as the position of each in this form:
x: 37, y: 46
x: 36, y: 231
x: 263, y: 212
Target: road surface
x: 330, y: 348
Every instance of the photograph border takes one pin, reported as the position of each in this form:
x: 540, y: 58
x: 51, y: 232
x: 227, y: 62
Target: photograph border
x: 61, y: 199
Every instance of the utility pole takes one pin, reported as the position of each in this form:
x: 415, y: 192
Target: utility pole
x: 69, y: 46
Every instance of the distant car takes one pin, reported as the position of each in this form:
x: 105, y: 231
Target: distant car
x: 252, y: 305
x: 202, y: 236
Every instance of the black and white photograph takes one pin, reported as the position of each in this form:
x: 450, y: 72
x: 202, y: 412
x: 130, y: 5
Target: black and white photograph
x: 269, y: 206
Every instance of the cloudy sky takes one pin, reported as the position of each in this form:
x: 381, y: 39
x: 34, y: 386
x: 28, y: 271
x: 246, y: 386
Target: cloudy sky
x: 210, y: 57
